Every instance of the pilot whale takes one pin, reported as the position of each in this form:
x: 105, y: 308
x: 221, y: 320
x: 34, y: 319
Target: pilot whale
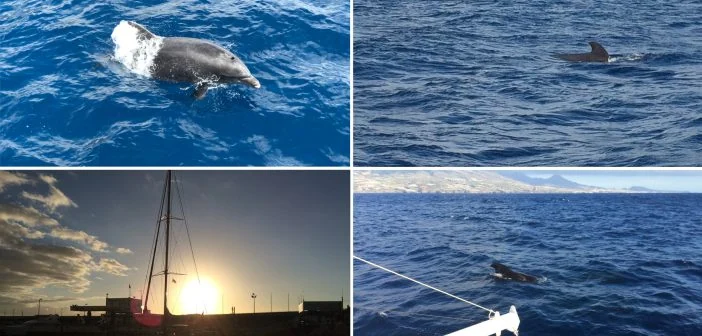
x: 179, y: 59
x: 598, y: 54
x: 504, y: 272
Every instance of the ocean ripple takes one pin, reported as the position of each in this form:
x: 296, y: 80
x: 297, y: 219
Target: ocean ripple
x: 609, y: 264
x: 65, y: 100
x: 475, y: 83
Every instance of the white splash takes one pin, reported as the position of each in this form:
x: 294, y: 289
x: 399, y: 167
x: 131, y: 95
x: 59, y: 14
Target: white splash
x: 135, y: 52
x: 626, y: 58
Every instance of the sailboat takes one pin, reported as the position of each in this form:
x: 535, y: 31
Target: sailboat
x: 166, y: 321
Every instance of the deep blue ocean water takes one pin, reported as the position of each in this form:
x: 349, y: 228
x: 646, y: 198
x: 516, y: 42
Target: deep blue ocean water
x: 65, y: 100
x: 466, y: 83
x: 610, y: 264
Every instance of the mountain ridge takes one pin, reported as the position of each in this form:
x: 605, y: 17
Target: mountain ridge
x: 466, y: 181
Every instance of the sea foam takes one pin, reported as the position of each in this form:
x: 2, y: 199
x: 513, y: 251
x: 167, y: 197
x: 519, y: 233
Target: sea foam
x: 135, y: 52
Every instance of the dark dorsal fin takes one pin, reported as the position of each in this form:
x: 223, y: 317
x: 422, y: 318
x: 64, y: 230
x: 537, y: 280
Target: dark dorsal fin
x: 598, y: 49
x: 142, y: 31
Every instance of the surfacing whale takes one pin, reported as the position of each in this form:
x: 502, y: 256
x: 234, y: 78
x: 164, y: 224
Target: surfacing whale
x: 598, y: 54
x: 504, y: 272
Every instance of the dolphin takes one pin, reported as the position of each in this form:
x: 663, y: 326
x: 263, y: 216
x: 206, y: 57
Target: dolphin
x: 504, y: 272
x: 598, y: 54
x: 183, y: 59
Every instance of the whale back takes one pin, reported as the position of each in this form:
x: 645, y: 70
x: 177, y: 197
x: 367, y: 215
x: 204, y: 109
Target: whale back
x: 500, y: 268
x: 597, y: 54
x: 508, y: 274
x: 598, y: 51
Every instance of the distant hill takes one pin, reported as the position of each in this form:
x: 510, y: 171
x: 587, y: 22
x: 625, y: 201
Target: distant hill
x: 553, y: 181
x: 642, y: 189
x: 462, y: 181
x: 465, y: 181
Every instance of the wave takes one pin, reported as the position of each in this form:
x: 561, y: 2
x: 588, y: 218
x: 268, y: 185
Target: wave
x: 134, y: 50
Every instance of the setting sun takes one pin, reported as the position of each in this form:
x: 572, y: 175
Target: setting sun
x: 198, y: 298
x: 175, y: 252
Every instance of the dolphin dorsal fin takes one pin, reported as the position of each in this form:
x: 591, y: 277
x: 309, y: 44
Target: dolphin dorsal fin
x: 142, y: 31
x: 598, y: 49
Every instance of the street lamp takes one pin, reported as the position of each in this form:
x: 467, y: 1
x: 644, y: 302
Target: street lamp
x: 253, y: 296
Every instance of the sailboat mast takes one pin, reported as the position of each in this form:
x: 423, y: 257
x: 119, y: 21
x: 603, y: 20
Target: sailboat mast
x: 153, y: 254
x: 168, y: 231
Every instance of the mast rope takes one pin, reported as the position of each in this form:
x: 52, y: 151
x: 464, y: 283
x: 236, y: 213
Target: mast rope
x: 187, y: 230
x: 423, y: 284
x: 147, y: 277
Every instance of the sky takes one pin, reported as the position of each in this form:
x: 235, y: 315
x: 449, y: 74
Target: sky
x: 662, y: 180
x: 73, y: 237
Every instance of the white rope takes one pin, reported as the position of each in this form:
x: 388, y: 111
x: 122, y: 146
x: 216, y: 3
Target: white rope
x: 423, y: 284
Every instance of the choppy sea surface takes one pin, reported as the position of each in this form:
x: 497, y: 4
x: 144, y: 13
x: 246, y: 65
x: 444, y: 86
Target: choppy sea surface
x: 65, y: 99
x: 608, y: 264
x: 466, y: 83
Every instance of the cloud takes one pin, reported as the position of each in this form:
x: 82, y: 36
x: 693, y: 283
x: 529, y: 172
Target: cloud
x: 93, y: 242
x: 55, y: 199
x: 23, y: 219
x: 37, y: 251
x: 8, y: 179
x: 122, y: 250
x: 25, y: 215
x: 112, y: 266
x: 15, y: 233
x: 27, y: 266
x: 50, y: 180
